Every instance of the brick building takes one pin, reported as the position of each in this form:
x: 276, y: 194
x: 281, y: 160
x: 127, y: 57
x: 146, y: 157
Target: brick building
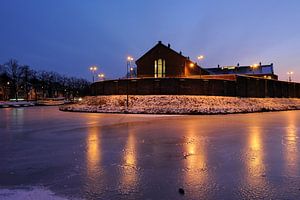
x: 162, y: 61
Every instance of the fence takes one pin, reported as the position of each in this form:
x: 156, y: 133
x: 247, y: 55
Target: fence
x: 242, y: 86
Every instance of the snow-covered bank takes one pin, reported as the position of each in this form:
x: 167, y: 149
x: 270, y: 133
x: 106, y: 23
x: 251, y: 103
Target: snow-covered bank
x: 28, y: 194
x: 179, y: 104
x: 7, y: 104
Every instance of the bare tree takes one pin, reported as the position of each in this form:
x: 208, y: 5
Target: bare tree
x: 15, y: 73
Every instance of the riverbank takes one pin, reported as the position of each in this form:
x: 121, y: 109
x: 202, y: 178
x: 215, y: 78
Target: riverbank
x: 181, y: 104
x: 16, y: 104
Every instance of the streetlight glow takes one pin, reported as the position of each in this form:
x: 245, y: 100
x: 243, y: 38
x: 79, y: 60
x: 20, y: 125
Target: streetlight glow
x: 93, y: 68
x: 192, y: 65
x: 254, y: 66
x: 101, y: 75
x: 290, y: 73
x: 200, y: 57
x: 129, y: 58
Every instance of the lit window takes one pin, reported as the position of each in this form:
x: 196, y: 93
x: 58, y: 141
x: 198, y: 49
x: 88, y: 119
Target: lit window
x: 155, y: 68
x: 159, y: 68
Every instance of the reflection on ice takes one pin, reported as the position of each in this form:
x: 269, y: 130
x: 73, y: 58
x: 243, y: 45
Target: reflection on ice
x: 93, y: 151
x: 93, y: 157
x: 194, y: 158
x: 129, y: 170
x: 255, y: 164
x: 290, y: 143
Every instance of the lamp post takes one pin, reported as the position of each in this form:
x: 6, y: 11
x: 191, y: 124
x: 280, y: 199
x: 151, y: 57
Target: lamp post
x: 290, y: 76
x: 129, y: 59
x: 200, y: 58
x: 131, y: 71
x: 93, y: 69
x: 101, y: 76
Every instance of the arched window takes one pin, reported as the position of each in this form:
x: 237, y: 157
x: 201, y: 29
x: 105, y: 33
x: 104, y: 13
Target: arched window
x: 159, y: 68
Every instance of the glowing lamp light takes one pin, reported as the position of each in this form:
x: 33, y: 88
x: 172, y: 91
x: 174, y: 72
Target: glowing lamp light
x: 129, y: 58
x: 192, y: 64
x: 93, y: 68
x: 101, y: 75
x: 254, y: 66
x: 201, y: 57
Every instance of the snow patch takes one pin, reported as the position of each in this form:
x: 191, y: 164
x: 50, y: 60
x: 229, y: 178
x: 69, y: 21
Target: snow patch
x: 181, y: 104
x: 28, y: 194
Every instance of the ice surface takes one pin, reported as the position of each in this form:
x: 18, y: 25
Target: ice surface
x: 116, y: 156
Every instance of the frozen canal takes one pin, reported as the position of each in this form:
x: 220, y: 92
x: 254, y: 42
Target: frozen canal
x: 109, y: 156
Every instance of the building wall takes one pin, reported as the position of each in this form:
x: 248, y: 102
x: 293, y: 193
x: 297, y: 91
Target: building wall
x: 241, y: 87
x: 176, y: 64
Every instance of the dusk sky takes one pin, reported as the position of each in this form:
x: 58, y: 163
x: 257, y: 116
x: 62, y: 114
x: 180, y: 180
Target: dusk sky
x: 68, y: 36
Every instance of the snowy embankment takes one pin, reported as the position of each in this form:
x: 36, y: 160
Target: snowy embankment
x: 7, y: 104
x: 28, y: 194
x: 179, y: 104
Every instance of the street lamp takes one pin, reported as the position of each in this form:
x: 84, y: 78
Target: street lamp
x: 290, y: 76
x: 200, y: 57
x: 129, y: 60
x: 101, y: 76
x: 93, y: 69
x: 131, y: 71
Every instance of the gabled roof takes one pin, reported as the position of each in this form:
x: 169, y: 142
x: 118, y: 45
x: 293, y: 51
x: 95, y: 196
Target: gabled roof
x: 161, y: 45
x: 261, y: 69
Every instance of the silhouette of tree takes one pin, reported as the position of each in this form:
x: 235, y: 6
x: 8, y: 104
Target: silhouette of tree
x: 15, y: 73
x: 23, y: 80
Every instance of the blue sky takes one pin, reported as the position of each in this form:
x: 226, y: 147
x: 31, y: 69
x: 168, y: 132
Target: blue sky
x: 68, y: 36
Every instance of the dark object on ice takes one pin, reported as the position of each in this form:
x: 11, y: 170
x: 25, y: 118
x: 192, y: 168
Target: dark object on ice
x: 181, y: 191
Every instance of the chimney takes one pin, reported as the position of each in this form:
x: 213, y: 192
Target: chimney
x: 238, y: 65
x: 180, y: 53
x: 169, y: 45
x: 218, y: 66
x: 259, y: 63
x: 159, y: 42
x: 188, y: 58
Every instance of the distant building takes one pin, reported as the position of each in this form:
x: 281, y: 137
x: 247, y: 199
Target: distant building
x: 162, y: 61
x: 163, y: 71
x: 258, y: 70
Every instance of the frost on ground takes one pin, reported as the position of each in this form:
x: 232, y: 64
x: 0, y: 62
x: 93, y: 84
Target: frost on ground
x: 28, y: 194
x: 180, y: 104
